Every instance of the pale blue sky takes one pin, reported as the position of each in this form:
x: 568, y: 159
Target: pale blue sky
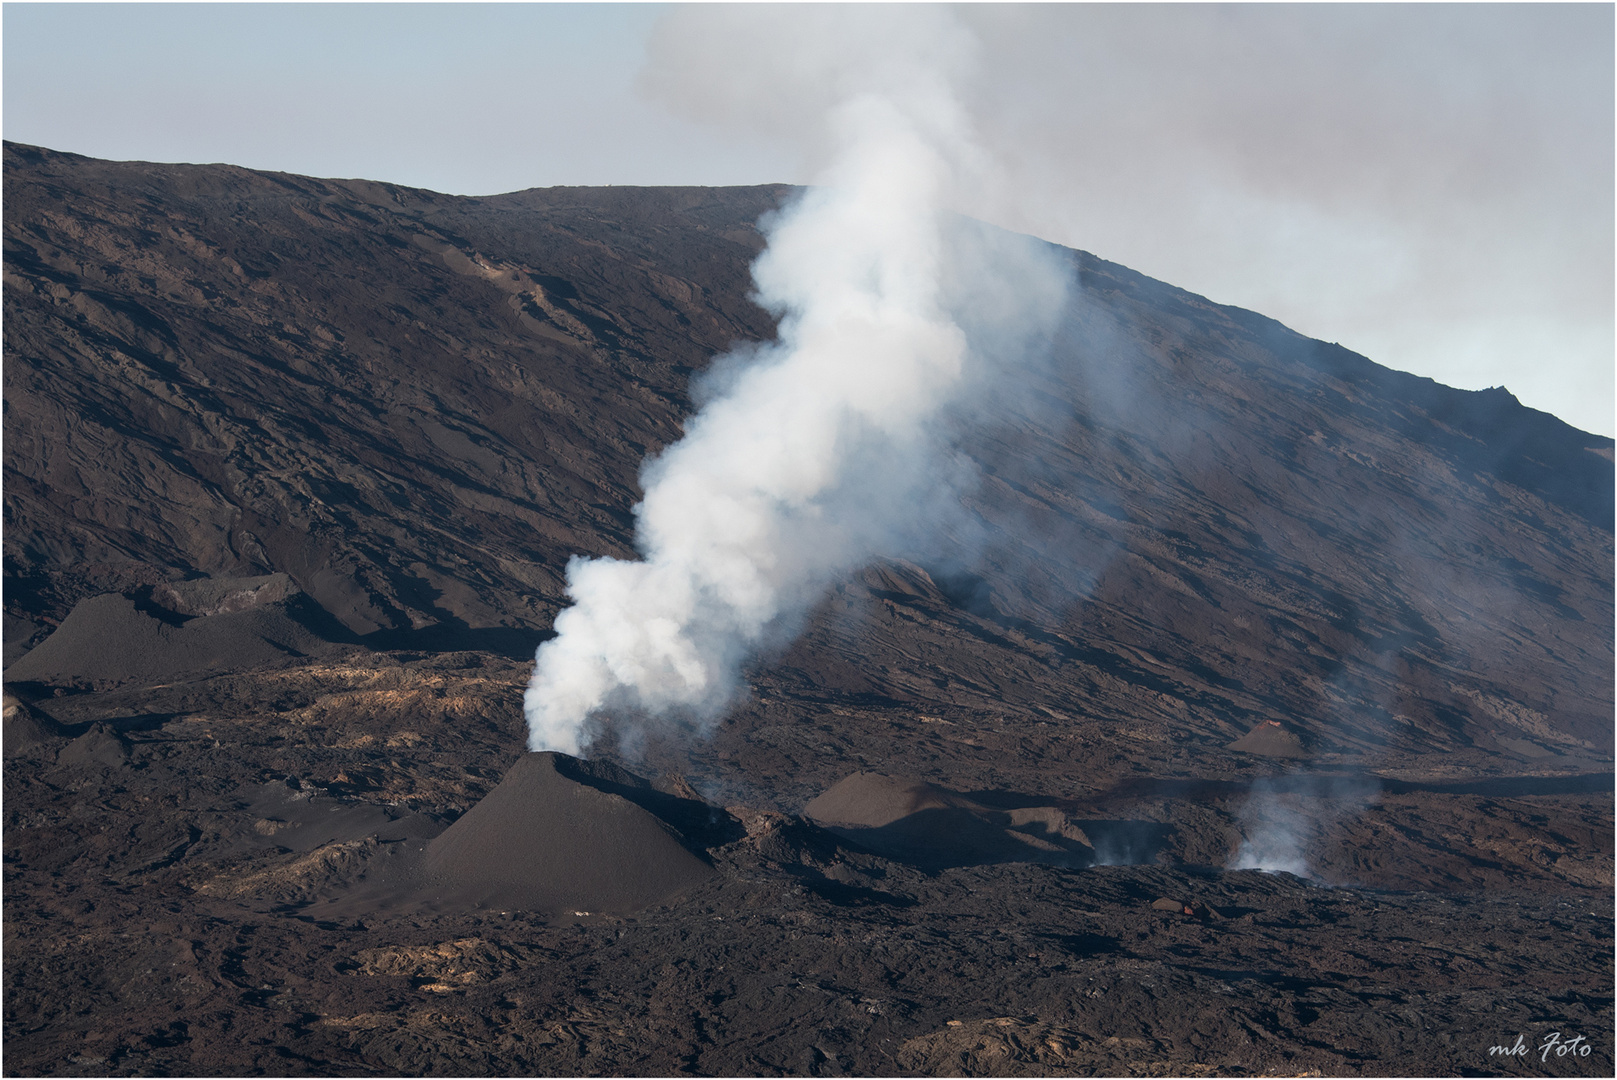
x: 1430, y: 185
x: 471, y: 99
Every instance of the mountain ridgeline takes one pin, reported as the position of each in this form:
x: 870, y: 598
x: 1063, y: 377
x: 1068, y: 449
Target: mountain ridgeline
x: 417, y: 407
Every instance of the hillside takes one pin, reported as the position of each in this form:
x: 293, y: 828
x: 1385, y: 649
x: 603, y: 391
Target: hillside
x: 346, y: 436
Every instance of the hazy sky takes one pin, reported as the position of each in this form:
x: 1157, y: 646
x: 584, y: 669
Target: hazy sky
x: 1431, y: 185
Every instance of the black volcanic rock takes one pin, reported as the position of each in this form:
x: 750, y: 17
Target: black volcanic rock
x: 414, y: 405
x: 384, y: 420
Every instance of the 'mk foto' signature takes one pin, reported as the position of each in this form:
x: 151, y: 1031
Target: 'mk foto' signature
x: 1576, y: 1046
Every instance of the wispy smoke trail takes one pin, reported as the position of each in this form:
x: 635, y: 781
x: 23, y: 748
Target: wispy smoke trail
x: 1284, y: 819
x: 829, y: 446
x: 1275, y: 829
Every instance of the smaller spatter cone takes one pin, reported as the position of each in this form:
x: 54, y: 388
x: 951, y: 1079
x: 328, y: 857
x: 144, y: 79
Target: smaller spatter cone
x: 1271, y: 739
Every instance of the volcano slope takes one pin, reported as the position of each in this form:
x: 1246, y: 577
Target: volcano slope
x: 309, y: 457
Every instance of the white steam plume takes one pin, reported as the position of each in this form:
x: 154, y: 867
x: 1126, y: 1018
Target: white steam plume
x: 1286, y: 819
x: 823, y: 449
x: 1276, y: 833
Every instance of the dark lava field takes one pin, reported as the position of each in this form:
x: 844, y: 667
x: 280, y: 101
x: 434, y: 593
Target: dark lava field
x: 1267, y: 731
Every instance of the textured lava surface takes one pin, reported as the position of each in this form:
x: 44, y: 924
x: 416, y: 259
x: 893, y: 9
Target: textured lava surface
x: 295, y: 467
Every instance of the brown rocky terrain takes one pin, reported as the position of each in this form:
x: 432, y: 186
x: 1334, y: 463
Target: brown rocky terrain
x: 293, y: 468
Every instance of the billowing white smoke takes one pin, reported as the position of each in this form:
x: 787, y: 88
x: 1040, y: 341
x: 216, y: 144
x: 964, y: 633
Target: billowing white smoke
x: 817, y: 452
